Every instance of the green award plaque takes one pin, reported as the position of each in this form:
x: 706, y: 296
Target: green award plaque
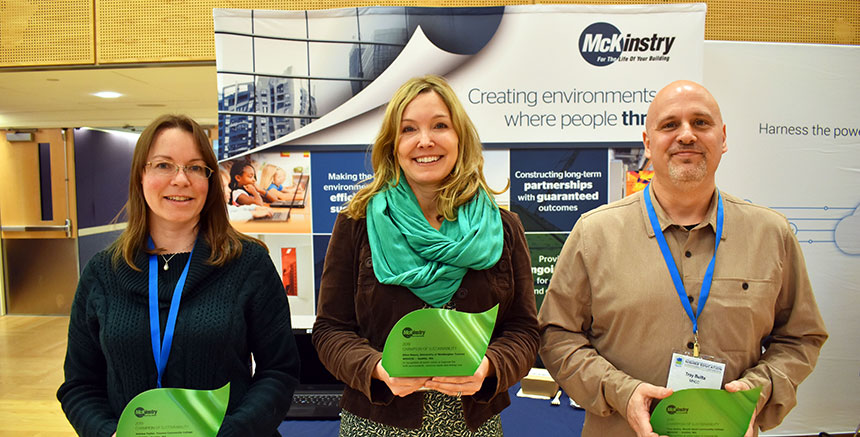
x: 702, y: 412
x: 438, y: 342
x: 166, y: 412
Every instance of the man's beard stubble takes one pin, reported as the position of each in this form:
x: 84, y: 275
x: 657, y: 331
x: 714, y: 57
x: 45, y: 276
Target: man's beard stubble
x: 685, y: 176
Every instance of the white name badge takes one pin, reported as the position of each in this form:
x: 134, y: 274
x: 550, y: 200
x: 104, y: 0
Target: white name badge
x: 694, y: 372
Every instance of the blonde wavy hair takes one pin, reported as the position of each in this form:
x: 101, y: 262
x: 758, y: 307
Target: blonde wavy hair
x: 457, y: 188
x: 267, y: 175
x: 213, y: 226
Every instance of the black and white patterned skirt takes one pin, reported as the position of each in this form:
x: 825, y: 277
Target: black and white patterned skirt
x: 443, y: 416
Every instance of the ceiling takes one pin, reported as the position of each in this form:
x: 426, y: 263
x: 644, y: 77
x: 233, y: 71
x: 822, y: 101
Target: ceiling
x: 63, y: 98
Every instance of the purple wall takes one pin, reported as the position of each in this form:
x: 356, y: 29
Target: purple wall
x: 102, y: 164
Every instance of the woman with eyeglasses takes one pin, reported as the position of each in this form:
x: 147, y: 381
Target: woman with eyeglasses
x: 179, y: 255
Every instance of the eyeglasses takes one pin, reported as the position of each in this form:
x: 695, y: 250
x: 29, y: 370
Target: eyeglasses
x: 169, y: 169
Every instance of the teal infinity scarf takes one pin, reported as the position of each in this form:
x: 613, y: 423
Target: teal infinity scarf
x: 407, y: 251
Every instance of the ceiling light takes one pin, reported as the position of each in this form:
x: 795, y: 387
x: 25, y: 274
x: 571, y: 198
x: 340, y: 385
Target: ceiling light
x: 107, y: 94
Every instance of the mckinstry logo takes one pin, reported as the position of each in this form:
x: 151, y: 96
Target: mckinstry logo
x: 409, y: 332
x: 671, y: 409
x: 679, y: 362
x: 141, y: 412
x: 602, y: 44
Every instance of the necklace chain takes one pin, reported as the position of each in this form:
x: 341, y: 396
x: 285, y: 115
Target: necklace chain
x: 168, y: 258
x: 166, y: 261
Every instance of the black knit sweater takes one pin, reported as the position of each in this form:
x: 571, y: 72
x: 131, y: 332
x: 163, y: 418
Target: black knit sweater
x: 226, y: 313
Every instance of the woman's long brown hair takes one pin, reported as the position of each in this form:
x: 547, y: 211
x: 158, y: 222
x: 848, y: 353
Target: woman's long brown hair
x: 214, y: 224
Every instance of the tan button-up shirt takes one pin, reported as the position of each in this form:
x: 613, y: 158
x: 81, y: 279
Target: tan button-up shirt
x: 612, y: 318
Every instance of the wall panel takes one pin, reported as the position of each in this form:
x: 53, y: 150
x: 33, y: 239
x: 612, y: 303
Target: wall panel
x: 160, y: 31
x: 43, y: 32
x: 156, y: 31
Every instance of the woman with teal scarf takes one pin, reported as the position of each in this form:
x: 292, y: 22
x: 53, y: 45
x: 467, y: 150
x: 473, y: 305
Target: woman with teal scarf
x: 425, y: 232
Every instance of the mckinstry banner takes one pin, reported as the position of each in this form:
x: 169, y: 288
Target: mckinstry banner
x: 558, y: 94
x: 526, y: 74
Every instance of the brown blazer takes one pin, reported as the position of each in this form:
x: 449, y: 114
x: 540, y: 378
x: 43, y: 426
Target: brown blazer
x: 356, y: 313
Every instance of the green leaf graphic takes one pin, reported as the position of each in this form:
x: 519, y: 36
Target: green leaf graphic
x: 702, y: 412
x: 174, y: 412
x: 438, y: 342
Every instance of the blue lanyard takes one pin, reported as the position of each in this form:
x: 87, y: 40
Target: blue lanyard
x: 673, y: 269
x: 160, y: 351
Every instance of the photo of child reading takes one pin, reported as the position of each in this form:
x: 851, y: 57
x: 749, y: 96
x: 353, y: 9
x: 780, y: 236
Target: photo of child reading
x: 243, y: 188
x: 262, y: 195
x: 241, y: 212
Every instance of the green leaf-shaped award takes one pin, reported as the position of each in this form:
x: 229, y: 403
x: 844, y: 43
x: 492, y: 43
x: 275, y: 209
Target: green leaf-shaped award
x: 705, y: 412
x: 438, y: 342
x: 174, y: 412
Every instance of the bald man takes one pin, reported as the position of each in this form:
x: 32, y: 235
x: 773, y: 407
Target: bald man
x: 654, y: 289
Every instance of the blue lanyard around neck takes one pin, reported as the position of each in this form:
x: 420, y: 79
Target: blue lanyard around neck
x: 673, y: 269
x: 160, y: 351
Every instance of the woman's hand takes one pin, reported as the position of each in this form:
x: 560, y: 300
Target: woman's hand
x: 399, y: 386
x: 462, y: 385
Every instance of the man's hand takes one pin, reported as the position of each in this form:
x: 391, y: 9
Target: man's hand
x: 741, y: 386
x: 399, y: 386
x: 639, y: 405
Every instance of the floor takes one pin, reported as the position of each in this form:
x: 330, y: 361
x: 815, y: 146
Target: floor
x: 31, y: 368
